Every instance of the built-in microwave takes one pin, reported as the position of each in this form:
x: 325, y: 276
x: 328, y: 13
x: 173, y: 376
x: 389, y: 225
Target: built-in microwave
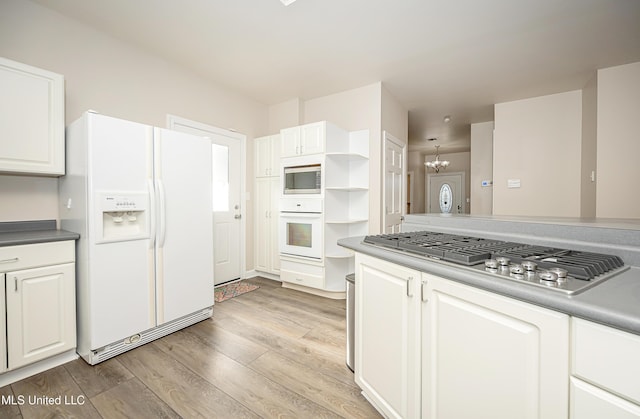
x: 302, y: 179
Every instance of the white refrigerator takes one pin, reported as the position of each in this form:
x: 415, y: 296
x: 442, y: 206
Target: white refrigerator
x: 141, y: 199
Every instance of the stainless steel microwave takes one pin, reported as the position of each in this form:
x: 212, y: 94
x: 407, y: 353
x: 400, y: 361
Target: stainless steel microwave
x: 305, y: 179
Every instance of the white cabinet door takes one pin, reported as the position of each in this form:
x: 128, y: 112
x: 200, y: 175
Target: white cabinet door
x: 312, y: 138
x: 290, y: 138
x: 41, y: 315
x: 304, y: 139
x: 31, y: 120
x: 262, y: 156
x: 263, y: 225
x: 274, y: 213
x: 267, y: 255
x: 267, y: 156
x: 486, y: 355
x: 274, y: 155
x: 387, y: 365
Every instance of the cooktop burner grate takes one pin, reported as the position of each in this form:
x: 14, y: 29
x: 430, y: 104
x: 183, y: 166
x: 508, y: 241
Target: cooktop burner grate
x: 580, y: 267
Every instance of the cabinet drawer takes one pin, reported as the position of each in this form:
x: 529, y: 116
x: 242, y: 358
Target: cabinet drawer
x: 589, y: 402
x: 305, y: 279
x: 13, y: 258
x: 607, y: 357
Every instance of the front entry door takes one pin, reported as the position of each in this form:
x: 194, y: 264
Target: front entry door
x: 445, y: 193
x: 228, y: 178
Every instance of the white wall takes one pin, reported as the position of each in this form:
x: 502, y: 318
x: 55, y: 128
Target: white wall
x: 481, y: 168
x: 113, y: 78
x: 618, y: 142
x: 538, y: 141
x: 285, y: 115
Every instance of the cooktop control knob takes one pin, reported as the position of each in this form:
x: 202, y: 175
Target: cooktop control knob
x: 516, y: 269
x: 491, y: 264
x: 529, y: 266
x: 548, y: 276
x: 561, y: 273
x: 503, y: 261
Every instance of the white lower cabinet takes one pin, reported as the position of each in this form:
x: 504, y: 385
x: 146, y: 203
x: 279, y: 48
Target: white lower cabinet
x: 428, y: 347
x: 40, y: 313
x: 306, y: 274
x: 40, y: 301
x: 387, y: 336
x: 485, y: 355
x: 605, y: 380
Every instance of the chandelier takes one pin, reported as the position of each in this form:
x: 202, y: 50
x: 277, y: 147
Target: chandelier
x: 437, y: 164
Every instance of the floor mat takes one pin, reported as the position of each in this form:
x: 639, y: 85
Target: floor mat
x: 228, y: 291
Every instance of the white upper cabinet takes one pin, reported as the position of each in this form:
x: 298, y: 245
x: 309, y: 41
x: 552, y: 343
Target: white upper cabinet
x: 304, y: 139
x: 267, y: 156
x: 31, y: 120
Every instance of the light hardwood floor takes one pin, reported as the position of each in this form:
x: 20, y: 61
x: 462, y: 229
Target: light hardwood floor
x: 272, y: 352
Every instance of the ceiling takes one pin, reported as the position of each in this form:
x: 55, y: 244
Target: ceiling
x: 436, y: 57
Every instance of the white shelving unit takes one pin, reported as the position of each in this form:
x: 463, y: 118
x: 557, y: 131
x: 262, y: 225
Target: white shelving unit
x: 346, y: 204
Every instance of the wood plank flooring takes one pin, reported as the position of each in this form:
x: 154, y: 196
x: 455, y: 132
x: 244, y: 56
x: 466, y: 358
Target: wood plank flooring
x: 269, y: 353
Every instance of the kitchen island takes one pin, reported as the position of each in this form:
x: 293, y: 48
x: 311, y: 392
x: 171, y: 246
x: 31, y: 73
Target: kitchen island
x: 435, y: 339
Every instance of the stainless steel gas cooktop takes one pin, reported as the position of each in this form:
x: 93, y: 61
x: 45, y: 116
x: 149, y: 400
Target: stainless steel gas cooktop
x: 569, y: 271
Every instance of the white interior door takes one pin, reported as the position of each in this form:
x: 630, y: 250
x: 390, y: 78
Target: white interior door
x: 444, y: 193
x: 228, y: 209
x: 393, y: 184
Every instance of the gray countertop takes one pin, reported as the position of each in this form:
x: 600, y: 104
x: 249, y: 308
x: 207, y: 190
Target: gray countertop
x: 30, y: 232
x: 614, y: 302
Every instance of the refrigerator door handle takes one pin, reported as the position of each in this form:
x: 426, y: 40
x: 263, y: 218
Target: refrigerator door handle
x: 152, y: 214
x: 162, y: 213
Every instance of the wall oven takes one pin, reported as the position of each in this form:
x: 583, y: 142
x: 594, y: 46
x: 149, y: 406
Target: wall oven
x: 302, y: 176
x: 300, y: 228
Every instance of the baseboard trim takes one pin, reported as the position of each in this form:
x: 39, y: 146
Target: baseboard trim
x: 339, y: 295
x: 12, y: 376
